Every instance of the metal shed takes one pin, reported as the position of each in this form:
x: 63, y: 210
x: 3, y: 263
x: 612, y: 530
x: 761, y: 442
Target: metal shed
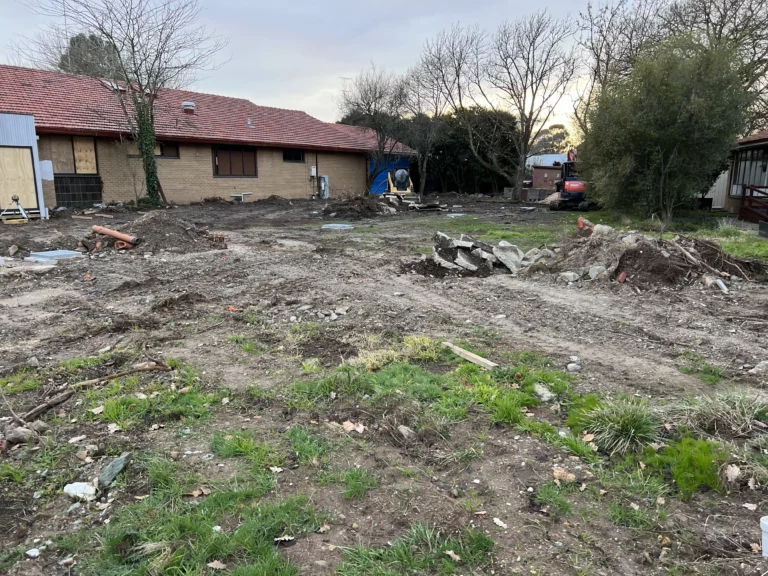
x: 20, y: 165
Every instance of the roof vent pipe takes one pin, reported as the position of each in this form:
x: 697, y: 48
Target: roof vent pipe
x: 188, y: 107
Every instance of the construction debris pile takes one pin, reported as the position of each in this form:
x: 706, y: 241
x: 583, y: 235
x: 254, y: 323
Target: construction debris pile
x: 602, y: 253
x: 357, y: 207
x: 153, y: 232
x: 469, y: 257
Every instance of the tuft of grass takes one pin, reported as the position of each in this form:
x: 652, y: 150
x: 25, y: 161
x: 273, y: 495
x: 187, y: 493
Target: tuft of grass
x: 692, y: 464
x: 307, y: 447
x: 10, y: 474
x: 621, y: 426
x: 553, y: 497
x: 421, y: 550
x: 731, y: 414
x: 21, y: 381
x: 696, y: 365
x: 311, y: 365
x: 632, y: 481
x: 629, y: 517
x: 747, y: 246
x: 576, y: 408
x: 507, y: 408
x: 357, y: 482
x: 246, y: 344
x: 75, y: 364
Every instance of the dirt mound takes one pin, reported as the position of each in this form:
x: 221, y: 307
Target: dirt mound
x: 273, y: 200
x: 357, y: 207
x: 161, y: 230
x: 648, y: 260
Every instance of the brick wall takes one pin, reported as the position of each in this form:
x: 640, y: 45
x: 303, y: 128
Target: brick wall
x: 189, y: 178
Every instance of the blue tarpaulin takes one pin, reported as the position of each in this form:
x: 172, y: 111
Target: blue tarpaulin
x: 393, y: 163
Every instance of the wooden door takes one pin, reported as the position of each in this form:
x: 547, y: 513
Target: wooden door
x: 17, y: 178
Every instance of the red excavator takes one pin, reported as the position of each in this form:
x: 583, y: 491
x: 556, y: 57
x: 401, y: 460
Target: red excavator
x: 571, y: 189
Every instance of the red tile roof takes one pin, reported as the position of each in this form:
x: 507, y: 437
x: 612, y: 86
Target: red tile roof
x: 64, y: 103
x: 756, y: 137
x: 366, y: 138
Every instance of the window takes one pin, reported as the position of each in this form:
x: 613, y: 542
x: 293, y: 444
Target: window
x: 750, y: 167
x: 293, y: 155
x: 167, y: 149
x: 234, y: 162
x: 73, y: 154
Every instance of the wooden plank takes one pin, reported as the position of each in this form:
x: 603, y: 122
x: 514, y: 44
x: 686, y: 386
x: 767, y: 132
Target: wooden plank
x: 17, y: 178
x: 85, y: 155
x: 77, y: 217
x: 471, y: 356
x: 62, y: 155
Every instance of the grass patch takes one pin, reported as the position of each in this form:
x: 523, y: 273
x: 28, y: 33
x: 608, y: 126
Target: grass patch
x: 692, y: 464
x: 240, y: 443
x: 10, y: 474
x: 307, y: 447
x: 357, y: 481
x: 747, y: 246
x: 421, y: 550
x: 731, y: 414
x: 526, y: 237
x: 630, y: 517
x: 553, y: 497
x: 621, y: 426
x: 21, y: 381
x: 76, y: 364
x: 246, y: 344
x: 696, y: 365
x: 166, y: 534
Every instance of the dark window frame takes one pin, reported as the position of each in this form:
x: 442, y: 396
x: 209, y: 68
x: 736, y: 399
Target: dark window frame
x: 302, y: 160
x: 169, y: 156
x: 215, y: 149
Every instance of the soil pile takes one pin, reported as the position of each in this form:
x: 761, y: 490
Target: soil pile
x: 358, y: 207
x: 161, y: 230
x: 605, y: 254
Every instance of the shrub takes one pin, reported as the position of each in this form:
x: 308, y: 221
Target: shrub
x: 621, y: 426
x: 692, y: 464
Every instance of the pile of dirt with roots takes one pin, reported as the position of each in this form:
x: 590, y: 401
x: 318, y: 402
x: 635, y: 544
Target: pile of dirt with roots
x: 603, y: 253
x: 358, y: 207
x: 161, y: 230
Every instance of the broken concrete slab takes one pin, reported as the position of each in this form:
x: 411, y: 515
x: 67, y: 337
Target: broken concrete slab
x: 509, y: 246
x: 114, y: 468
x: 84, y: 491
x: 27, y: 268
x: 468, y: 261
x: 569, y: 276
x: 480, y: 253
x: 595, y: 271
x: 478, y: 243
x: 440, y: 261
x: 533, y: 254
x: 510, y: 256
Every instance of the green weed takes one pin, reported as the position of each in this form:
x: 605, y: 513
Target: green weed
x: 747, y: 247
x: 21, y: 381
x: 10, y: 474
x: 357, y: 482
x: 621, y: 426
x: 75, y: 364
x: 696, y: 365
x: 553, y: 497
x: 692, y: 464
x: 629, y: 517
x: 421, y: 550
x: 307, y: 447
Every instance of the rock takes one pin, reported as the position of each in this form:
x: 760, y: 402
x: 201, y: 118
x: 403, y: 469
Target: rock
x: 602, y: 230
x: 39, y: 426
x: 569, y: 276
x: 33, y: 362
x: 33, y: 552
x: 546, y: 253
x: 466, y: 260
x: 304, y: 308
x: 19, y: 435
x: 533, y: 254
x: 298, y: 245
x: 80, y: 491
x: 478, y: 244
x: 760, y: 368
x: 509, y: 246
x: 595, y: 271
x: 406, y: 432
x: 442, y: 241
x: 321, y: 563
x: 342, y: 310
x: 105, y: 349
x: 114, y: 468
x: 480, y: 253
x: 12, y: 250
x: 511, y: 257
x: 333, y: 317
x: 573, y: 367
x: 544, y: 393
x: 440, y: 261
x: 709, y: 281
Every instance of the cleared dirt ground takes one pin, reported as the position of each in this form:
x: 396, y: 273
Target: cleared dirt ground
x: 245, y: 320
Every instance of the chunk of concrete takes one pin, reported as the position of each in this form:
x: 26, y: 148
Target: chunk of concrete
x: 466, y: 260
x: 546, y: 253
x: 544, y: 394
x: 595, y: 271
x: 602, y: 230
x: 12, y: 250
x: 533, y: 254
x: 509, y: 246
x: 440, y: 261
x: 39, y: 426
x: 114, y: 468
x: 510, y: 256
x: 406, y: 433
x: 20, y: 435
x: 480, y: 253
x: 478, y: 243
x: 442, y: 241
x: 569, y: 276
x: 81, y: 491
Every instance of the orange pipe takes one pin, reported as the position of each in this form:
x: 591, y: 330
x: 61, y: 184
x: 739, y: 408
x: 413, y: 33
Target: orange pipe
x: 119, y: 235
x: 123, y: 245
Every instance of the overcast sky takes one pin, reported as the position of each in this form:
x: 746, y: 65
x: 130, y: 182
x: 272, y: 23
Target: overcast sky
x: 295, y: 54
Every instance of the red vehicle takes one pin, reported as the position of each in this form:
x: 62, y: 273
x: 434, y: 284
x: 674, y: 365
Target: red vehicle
x: 571, y: 190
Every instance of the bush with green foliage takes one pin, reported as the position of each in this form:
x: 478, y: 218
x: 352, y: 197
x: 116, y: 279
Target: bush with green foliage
x: 692, y: 464
x: 658, y: 136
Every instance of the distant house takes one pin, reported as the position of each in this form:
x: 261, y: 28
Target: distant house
x: 208, y: 145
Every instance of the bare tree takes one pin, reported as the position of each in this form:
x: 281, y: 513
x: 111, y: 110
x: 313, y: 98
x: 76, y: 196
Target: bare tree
x: 157, y: 44
x: 737, y: 25
x: 424, y: 105
x: 375, y: 98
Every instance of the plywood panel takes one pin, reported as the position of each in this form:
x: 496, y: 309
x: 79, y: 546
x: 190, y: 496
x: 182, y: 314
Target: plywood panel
x: 85, y: 155
x: 17, y: 177
x: 62, y: 155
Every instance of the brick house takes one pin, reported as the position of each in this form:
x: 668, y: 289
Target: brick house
x: 208, y: 145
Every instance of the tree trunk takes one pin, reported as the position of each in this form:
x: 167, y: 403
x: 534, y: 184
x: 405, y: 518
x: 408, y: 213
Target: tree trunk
x: 422, y: 174
x: 520, y: 175
x: 146, y: 145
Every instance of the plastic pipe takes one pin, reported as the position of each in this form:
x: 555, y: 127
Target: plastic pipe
x: 764, y: 528
x: 115, y: 234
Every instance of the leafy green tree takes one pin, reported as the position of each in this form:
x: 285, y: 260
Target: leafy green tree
x: 656, y: 135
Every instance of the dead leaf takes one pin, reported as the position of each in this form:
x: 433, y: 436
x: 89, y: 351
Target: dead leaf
x: 603, y: 492
x: 482, y: 513
x: 228, y: 437
x: 315, y: 462
x: 275, y: 469
x: 97, y: 410
x: 82, y: 455
x: 216, y: 565
x: 323, y: 529
x: 112, y: 428
x: 749, y: 506
x: 184, y: 390
x: 453, y: 556
x: 732, y: 472
x: 667, y: 426
x: 76, y: 439
x: 664, y: 541
x: 642, y: 465
x: 350, y: 426
x: 225, y: 400
x: 562, y: 474
x: 205, y: 491
x: 634, y: 506
x: 194, y: 494
x: 752, y: 483
x: 499, y: 523
x: 660, y: 501
x: 582, y: 487
x: 331, y: 548
x: 588, y: 437
x: 755, y: 548
x: 140, y: 498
